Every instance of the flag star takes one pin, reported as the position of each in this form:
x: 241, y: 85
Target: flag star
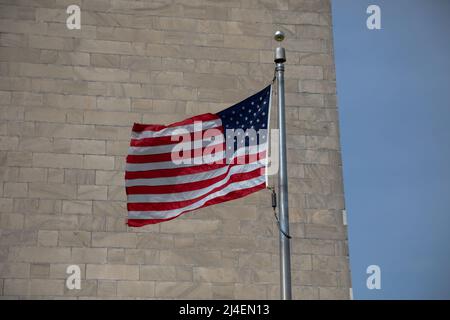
x: 231, y: 118
x: 263, y: 125
x: 240, y: 115
x: 232, y: 112
x: 257, y: 120
x: 260, y: 98
x: 237, y: 122
x: 246, y: 118
x: 251, y: 121
x: 253, y: 103
x: 263, y: 113
x: 243, y: 108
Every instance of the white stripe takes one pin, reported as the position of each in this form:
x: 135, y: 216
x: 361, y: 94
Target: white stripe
x: 171, y: 130
x: 189, y: 195
x: 172, y: 164
x: 169, y: 147
x: 240, y: 185
x: 187, y: 178
x: 218, y: 158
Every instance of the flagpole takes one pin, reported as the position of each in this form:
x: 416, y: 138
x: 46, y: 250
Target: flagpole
x: 285, y: 251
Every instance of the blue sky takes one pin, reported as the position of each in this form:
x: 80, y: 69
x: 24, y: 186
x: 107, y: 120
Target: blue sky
x: 394, y: 102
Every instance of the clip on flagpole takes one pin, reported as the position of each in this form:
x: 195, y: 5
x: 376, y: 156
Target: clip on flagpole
x: 285, y: 251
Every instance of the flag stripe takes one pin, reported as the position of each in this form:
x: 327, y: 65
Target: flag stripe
x: 181, y: 199
x: 138, y: 127
x: 207, y: 174
x: 162, y: 173
x: 183, y: 186
x: 171, y: 140
x: 174, y: 131
x: 219, y: 157
x: 240, y: 186
x: 177, y: 155
x: 145, y: 150
x: 145, y: 218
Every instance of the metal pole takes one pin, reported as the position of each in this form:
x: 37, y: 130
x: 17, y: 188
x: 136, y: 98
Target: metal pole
x: 285, y: 251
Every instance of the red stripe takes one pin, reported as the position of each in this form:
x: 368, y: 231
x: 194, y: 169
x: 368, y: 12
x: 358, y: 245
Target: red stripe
x: 173, y: 172
x: 172, y: 156
x: 162, y: 206
x: 140, y: 127
x: 173, y: 139
x: 175, y: 188
x: 228, y: 197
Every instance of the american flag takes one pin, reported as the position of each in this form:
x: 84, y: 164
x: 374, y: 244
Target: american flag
x: 197, y: 162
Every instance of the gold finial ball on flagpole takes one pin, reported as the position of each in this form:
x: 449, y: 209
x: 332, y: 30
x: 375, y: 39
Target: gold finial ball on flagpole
x: 280, y: 54
x: 279, y: 36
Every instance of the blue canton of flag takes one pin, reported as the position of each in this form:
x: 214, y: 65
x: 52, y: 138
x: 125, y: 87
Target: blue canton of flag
x: 246, y: 123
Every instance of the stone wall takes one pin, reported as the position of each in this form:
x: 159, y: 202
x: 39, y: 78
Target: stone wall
x: 68, y: 99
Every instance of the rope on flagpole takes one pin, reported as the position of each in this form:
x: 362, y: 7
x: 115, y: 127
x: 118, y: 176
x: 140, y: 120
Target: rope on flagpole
x: 269, y: 135
x: 274, y: 205
x: 272, y: 189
